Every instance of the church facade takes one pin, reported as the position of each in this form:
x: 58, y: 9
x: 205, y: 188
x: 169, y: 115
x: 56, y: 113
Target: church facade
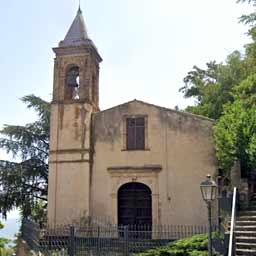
x: 135, y: 163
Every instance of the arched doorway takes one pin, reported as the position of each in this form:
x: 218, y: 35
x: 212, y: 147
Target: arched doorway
x: 134, y: 204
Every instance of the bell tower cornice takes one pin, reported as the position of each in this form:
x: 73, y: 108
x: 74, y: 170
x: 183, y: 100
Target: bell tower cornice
x: 73, y: 50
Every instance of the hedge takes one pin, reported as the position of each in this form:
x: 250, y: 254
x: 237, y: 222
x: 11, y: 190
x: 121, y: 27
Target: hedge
x: 193, y: 246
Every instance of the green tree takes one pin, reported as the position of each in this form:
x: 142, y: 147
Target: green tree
x: 249, y: 18
x: 235, y: 132
x: 24, y: 183
x: 211, y: 87
x: 227, y: 92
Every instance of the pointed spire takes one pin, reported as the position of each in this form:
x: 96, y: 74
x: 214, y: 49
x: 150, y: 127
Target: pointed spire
x: 77, y: 34
x: 79, y: 8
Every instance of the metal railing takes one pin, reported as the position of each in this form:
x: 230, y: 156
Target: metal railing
x: 231, y: 248
x: 101, y: 239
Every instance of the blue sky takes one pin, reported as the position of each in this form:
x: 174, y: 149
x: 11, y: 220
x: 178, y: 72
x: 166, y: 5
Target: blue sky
x: 147, y: 46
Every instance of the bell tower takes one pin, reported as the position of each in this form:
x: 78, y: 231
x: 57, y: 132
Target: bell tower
x: 75, y: 98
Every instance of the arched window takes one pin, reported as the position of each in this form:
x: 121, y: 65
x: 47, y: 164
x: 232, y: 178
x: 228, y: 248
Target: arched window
x: 72, y: 83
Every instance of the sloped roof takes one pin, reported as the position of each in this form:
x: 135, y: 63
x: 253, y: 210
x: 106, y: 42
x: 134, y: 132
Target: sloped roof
x: 161, y: 108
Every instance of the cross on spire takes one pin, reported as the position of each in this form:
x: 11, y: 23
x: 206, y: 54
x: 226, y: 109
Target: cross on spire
x: 77, y: 33
x: 79, y: 7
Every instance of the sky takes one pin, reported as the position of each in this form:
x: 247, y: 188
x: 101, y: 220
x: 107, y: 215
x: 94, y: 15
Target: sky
x: 147, y: 46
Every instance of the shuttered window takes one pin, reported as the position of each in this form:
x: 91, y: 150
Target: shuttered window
x: 135, y: 133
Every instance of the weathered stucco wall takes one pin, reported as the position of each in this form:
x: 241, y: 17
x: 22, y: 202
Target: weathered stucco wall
x: 180, y: 143
x: 69, y: 163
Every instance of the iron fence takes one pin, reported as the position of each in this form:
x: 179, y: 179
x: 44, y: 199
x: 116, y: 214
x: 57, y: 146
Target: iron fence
x: 106, y: 240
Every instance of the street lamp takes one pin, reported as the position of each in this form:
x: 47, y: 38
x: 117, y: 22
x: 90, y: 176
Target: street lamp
x: 208, y: 190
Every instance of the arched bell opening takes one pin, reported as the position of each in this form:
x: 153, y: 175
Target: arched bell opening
x: 72, y: 84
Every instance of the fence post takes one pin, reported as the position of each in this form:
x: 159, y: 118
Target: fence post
x: 71, y: 247
x: 98, y: 241
x: 126, y: 240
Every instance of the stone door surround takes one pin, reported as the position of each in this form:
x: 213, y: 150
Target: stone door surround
x: 147, y: 174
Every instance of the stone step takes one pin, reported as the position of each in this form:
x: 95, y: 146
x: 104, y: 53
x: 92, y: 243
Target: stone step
x: 245, y: 239
x: 252, y: 202
x: 246, y: 213
x: 247, y: 209
x: 245, y: 233
x: 245, y: 223
x: 247, y: 217
x: 245, y: 252
x: 245, y: 228
x: 251, y: 208
x: 245, y: 245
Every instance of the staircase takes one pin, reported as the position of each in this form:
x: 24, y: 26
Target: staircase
x: 245, y: 230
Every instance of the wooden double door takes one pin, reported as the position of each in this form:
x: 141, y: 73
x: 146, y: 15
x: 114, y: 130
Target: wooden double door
x: 134, y: 204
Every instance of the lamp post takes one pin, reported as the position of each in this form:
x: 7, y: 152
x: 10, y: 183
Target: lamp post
x: 208, y: 190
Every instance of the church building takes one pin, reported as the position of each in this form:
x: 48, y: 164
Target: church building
x: 135, y: 163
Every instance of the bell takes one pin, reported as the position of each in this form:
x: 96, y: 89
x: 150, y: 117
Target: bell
x: 71, y: 81
x: 72, y: 76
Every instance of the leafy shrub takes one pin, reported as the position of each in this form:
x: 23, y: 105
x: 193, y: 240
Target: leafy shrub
x: 193, y: 246
x: 6, y: 252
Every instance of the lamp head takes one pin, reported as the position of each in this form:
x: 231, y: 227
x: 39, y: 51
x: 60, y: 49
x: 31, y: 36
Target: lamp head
x: 208, y: 189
